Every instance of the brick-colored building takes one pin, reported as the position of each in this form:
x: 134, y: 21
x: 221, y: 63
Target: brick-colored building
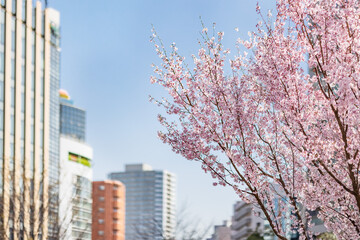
x: 108, y: 212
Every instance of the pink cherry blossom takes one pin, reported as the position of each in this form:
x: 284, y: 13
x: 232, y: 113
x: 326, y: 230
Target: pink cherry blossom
x: 269, y: 129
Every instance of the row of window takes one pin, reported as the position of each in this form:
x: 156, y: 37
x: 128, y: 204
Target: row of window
x: 115, y: 210
x: 101, y: 233
x: 102, y: 221
x: 115, y: 199
x: 115, y: 187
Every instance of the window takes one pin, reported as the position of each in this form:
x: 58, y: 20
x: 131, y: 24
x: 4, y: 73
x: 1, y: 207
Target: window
x: 101, y: 233
x: 101, y: 209
x: 102, y: 187
x: 115, y: 210
x: 101, y: 199
x: 101, y: 221
x: 115, y: 187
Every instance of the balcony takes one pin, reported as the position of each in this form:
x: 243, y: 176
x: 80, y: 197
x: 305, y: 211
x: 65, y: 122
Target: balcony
x: 242, y: 213
x: 116, y: 215
x: 117, y: 204
x: 117, y: 226
x: 237, y: 225
x: 118, y: 235
x: 240, y: 205
x: 243, y: 234
x: 117, y: 193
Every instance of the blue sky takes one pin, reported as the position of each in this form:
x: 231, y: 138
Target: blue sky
x: 106, y: 64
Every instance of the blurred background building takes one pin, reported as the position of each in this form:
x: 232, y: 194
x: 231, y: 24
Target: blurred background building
x: 244, y: 221
x: 222, y: 232
x: 150, y: 202
x: 75, y: 173
x: 108, y: 211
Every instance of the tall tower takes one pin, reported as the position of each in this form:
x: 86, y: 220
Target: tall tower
x: 150, y: 202
x: 75, y: 173
x: 29, y: 120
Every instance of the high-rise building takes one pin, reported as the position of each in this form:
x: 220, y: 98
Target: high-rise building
x: 75, y: 198
x: 244, y: 221
x: 29, y: 119
x: 150, y: 202
x: 108, y: 210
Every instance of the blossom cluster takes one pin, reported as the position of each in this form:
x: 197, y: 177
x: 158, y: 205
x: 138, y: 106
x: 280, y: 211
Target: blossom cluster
x: 271, y: 129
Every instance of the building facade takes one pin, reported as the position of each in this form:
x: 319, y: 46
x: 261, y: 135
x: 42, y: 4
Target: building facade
x: 29, y: 143
x: 108, y: 211
x: 222, y: 232
x: 244, y: 222
x: 150, y: 202
x: 75, y: 212
x: 75, y: 189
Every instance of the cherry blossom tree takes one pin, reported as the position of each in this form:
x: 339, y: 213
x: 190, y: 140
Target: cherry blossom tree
x: 281, y: 137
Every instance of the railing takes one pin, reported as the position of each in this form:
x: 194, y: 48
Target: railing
x: 239, y: 205
x: 237, y: 225
x: 116, y: 193
x: 117, y: 226
x: 116, y: 215
x: 242, y: 213
x: 240, y: 235
x: 117, y: 204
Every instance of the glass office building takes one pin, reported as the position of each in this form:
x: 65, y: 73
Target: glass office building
x: 150, y: 202
x: 29, y: 120
x: 72, y: 118
x: 54, y: 117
